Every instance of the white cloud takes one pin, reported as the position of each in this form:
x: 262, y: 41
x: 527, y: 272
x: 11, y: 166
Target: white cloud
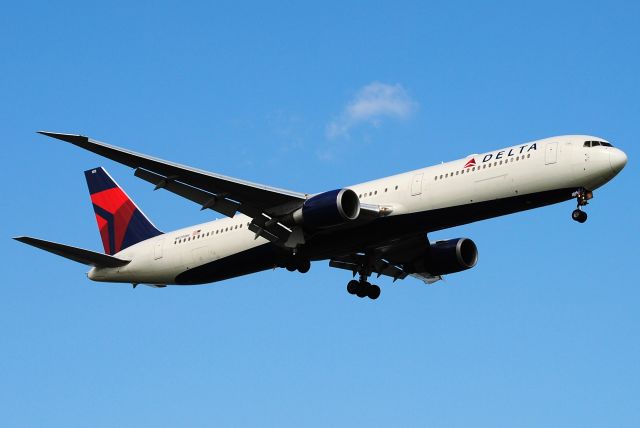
x: 372, y: 104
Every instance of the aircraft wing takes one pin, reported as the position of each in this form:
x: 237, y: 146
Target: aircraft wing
x: 378, y: 266
x: 392, y: 259
x: 220, y: 193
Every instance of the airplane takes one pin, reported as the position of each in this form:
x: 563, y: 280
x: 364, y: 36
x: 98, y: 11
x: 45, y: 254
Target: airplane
x: 379, y: 227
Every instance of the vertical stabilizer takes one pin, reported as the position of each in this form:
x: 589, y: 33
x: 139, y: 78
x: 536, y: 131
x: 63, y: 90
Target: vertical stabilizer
x: 121, y: 223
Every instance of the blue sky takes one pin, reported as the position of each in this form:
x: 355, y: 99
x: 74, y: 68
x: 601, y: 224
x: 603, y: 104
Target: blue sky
x: 543, y: 332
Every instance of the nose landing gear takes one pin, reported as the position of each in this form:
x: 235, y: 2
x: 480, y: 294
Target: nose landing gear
x: 579, y: 215
x: 582, y: 195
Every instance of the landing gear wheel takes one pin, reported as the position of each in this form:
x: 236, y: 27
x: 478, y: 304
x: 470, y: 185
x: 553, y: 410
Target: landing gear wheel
x: 579, y: 216
x: 352, y: 286
x: 304, y: 266
x: 373, y: 292
x: 290, y: 267
x: 363, y: 288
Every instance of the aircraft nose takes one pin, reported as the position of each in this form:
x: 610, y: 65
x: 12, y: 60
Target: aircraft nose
x: 617, y: 159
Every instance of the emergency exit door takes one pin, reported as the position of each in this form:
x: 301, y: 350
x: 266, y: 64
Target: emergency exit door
x: 157, y: 250
x: 416, y: 185
x: 551, y: 153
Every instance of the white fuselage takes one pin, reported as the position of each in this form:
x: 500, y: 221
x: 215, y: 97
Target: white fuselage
x: 526, y: 169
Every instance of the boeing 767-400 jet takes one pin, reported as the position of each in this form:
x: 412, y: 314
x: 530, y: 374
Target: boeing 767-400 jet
x: 378, y: 227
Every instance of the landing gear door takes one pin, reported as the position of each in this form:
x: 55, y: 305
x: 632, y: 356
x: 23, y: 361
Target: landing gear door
x: 416, y: 185
x: 551, y: 153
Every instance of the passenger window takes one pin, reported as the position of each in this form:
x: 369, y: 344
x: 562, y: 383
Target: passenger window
x: 396, y: 187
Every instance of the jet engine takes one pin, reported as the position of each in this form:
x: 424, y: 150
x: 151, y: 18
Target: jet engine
x: 328, y: 209
x: 454, y: 255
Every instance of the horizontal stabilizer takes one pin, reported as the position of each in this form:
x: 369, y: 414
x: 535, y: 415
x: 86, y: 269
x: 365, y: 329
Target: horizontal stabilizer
x: 76, y: 254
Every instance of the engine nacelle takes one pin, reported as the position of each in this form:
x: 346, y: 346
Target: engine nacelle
x: 454, y: 255
x: 328, y: 209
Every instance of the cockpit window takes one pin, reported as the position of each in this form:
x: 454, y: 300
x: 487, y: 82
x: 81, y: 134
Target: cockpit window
x: 596, y: 143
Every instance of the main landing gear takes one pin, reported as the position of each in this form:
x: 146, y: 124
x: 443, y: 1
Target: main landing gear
x: 363, y: 288
x: 298, y: 264
x: 582, y: 196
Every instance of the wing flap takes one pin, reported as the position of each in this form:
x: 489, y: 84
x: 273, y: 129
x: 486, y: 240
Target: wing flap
x: 76, y: 254
x: 377, y: 266
x: 426, y: 277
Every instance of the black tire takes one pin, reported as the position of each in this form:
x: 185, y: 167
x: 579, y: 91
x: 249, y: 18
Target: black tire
x: 290, y: 267
x: 373, y: 292
x: 583, y: 217
x: 352, y: 286
x: 576, y: 215
x: 304, y: 266
x: 362, y: 289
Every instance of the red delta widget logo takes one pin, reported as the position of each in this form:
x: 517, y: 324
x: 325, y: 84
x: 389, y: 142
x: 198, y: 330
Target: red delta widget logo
x: 503, y: 154
x: 470, y: 163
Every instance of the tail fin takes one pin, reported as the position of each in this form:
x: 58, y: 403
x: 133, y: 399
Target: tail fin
x: 120, y: 221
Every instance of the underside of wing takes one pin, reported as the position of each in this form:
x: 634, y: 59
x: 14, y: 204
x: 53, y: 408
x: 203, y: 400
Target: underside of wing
x: 380, y: 267
x: 397, y: 259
